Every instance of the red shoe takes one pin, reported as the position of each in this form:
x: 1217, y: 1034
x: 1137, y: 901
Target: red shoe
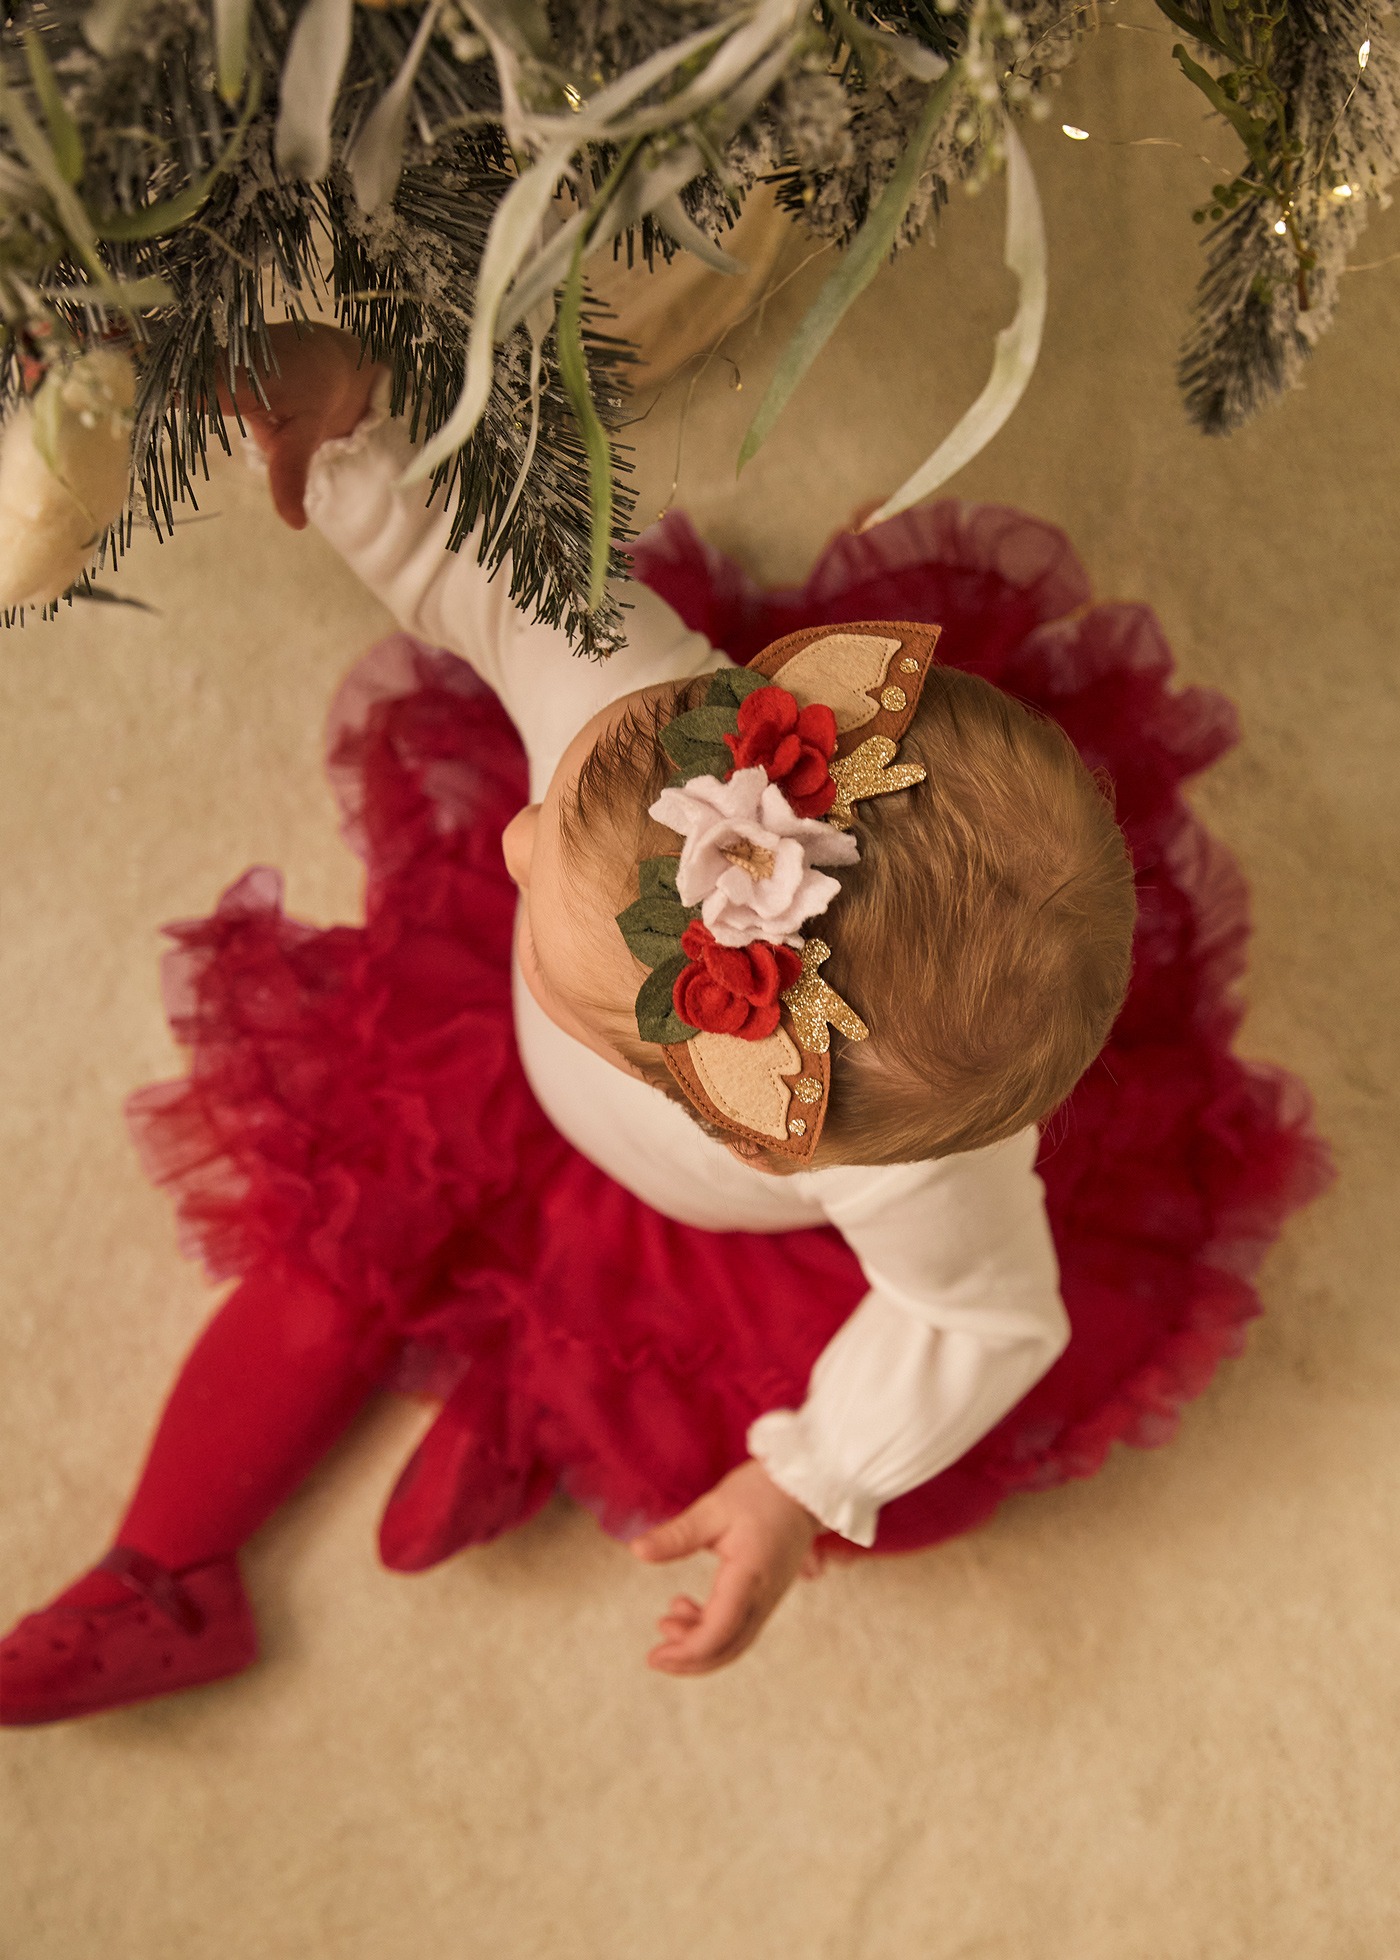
x: 177, y: 1630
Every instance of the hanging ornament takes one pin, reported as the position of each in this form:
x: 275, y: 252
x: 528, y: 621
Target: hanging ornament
x: 65, y: 466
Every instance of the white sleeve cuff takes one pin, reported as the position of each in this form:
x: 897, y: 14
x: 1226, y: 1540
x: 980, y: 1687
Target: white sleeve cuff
x: 778, y: 1442
x: 340, y: 448
x: 891, y: 1402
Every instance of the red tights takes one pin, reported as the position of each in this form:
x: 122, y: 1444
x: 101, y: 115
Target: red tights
x: 271, y: 1383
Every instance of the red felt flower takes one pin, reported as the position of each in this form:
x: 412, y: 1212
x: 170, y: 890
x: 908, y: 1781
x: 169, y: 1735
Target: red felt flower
x: 732, y: 989
x: 794, y: 745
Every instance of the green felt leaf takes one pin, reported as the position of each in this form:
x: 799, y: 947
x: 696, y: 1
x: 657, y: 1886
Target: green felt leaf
x: 731, y: 685
x: 656, y: 877
x: 705, y: 762
x: 657, y: 915
x: 651, y: 948
x: 657, y: 1019
x: 692, y: 757
x: 706, y: 724
x: 652, y: 928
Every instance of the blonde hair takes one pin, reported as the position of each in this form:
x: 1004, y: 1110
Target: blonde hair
x: 984, y: 938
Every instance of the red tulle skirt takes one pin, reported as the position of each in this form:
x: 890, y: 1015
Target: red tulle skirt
x: 355, y: 1106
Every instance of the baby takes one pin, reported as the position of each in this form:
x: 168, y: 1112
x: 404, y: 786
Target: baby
x: 981, y: 933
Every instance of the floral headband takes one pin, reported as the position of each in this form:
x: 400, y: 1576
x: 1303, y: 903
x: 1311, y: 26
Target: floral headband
x: 763, y: 782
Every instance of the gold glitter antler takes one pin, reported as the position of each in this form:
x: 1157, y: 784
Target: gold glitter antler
x: 812, y: 1004
x: 866, y: 771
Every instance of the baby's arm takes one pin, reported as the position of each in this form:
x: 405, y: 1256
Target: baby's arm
x: 963, y: 1317
x: 338, y: 464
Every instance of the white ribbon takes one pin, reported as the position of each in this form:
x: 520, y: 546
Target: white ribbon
x: 1017, y: 346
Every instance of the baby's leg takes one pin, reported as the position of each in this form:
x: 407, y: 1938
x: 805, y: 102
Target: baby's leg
x: 272, y: 1382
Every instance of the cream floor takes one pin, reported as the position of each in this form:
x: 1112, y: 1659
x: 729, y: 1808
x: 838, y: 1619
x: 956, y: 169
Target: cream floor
x: 1153, y: 1717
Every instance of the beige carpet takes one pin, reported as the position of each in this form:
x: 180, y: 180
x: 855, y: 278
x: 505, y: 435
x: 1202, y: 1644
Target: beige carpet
x: 1152, y: 1717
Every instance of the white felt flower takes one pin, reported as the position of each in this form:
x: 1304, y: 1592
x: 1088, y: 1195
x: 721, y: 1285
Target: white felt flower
x: 748, y: 857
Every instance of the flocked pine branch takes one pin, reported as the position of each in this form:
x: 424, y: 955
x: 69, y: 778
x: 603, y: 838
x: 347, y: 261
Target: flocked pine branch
x: 175, y: 173
x: 1312, y: 90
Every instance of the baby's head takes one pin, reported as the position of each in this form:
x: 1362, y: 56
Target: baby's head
x: 984, y: 936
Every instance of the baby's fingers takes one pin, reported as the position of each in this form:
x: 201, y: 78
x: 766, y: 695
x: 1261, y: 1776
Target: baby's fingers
x: 727, y: 1623
x: 679, y: 1618
x: 690, y: 1532
x: 289, y: 450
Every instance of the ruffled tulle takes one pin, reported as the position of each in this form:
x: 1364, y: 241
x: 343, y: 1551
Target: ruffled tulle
x: 355, y: 1104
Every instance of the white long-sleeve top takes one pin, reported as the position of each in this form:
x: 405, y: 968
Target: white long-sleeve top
x: 964, y: 1313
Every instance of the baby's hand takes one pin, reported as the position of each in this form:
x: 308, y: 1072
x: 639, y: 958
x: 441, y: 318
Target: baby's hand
x: 763, y: 1539
x: 319, y: 390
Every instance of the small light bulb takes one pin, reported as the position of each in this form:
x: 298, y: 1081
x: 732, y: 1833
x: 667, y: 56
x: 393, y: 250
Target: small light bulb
x: 1079, y: 135
x: 1341, y: 190
x: 1363, y: 54
x: 1281, y: 227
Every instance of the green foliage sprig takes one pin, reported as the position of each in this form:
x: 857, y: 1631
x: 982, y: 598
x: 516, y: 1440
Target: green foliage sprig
x: 1311, y: 89
x: 1247, y: 92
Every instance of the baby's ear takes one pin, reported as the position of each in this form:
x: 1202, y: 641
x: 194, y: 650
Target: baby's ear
x: 753, y: 1154
x: 518, y: 844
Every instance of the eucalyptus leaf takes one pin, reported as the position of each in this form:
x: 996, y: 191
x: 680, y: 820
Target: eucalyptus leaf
x: 657, y: 1019
x: 231, y: 46
x: 63, y: 131
x: 129, y: 295
x: 539, y: 321
x: 539, y: 280
x: 375, y: 158
x: 311, y: 77
x: 513, y: 35
x: 678, y: 224
x: 730, y: 114
x: 36, y: 150
x: 594, y: 118
x: 867, y: 37
x: 513, y: 229
x: 772, y: 20
x: 858, y: 265
x: 638, y: 187
x: 522, y: 25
